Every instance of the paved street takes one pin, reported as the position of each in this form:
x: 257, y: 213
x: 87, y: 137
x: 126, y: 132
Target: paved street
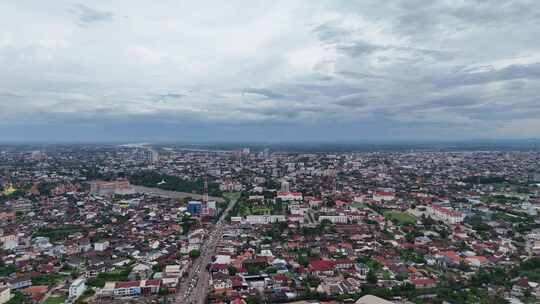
x: 194, y: 287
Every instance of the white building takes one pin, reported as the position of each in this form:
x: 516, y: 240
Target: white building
x: 101, y: 246
x: 444, y: 214
x: 77, y: 288
x: 285, y: 186
x: 335, y: 219
x: 383, y: 196
x: 264, y: 219
x: 230, y: 186
x: 289, y: 196
x: 5, y: 294
x: 9, y: 242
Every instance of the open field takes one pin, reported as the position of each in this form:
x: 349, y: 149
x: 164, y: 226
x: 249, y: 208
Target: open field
x: 56, y: 300
x: 401, y: 217
x: 173, y: 194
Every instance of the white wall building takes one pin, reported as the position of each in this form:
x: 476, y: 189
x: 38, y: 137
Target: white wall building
x: 264, y: 219
x: 101, y: 246
x: 444, y: 214
x: 289, y: 196
x: 5, y: 294
x: 336, y: 219
x: 77, y: 288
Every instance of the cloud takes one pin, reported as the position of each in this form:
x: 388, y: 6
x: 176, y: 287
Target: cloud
x: 453, y: 101
x: 359, y: 48
x: 89, y: 15
x: 352, y: 101
x: 401, y: 68
x: 512, y: 72
x: 264, y: 93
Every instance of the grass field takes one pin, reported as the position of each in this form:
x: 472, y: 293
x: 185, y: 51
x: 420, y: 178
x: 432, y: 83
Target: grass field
x: 232, y: 195
x: 56, y: 300
x: 401, y: 217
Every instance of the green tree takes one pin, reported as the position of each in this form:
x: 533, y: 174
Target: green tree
x: 195, y: 253
x: 232, y: 270
x: 372, y: 277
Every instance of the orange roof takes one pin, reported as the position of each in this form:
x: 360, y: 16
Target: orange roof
x: 34, y: 290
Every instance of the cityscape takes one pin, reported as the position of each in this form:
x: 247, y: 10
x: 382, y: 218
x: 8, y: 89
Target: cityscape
x: 167, y: 224
x: 261, y: 152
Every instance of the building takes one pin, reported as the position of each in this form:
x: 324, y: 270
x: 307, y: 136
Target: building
x: 101, y: 246
x: 285, y: 186
x: 77, y: 288
x: 230, y: 186
x: 20, y: 282
x: 383, y: 196
x: 9, y: 241
x: 110, y: 188
x: 369, y: 299
x: 335, y: 219
x: 132, y: 288
x: 5, y: 295
x: 289, y: 196
x: 322, y: 267
x: 194, y: 207
x: 264, y: 219
x: 444, y: 214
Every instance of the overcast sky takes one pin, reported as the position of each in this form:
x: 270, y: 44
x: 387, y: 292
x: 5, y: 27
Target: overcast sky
x: 269, y: 70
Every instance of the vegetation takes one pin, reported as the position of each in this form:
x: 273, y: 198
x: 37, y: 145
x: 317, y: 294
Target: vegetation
x: 6, y: 270
x: 530, y: 269
x: 19, y: 298
x: 119, y: 274
x: 60, y: 233
x: 400, y: 217
x: 194, y: 253
x: 484, y: 180
x: 56, y: 300
x: 173, y: 183
x: 498, y: 199
x: 232, y: 195
x: 48, y: 279
x: 244, y: 208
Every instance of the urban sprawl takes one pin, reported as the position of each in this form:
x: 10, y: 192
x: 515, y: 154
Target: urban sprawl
x: 163, y: 224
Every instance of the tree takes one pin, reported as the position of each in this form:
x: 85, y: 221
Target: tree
x: 253, y: 270
x: 232, y: 270
x: 195, y: 253
x: 371, y: 277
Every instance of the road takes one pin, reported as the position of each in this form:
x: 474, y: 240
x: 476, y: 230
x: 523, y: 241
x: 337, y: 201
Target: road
x: 194, y: 287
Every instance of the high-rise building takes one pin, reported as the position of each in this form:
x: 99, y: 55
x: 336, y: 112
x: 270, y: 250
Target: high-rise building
x: 149, y: 156
x: 38, y: 156
x: 154, y: 156
x: 285, y: 186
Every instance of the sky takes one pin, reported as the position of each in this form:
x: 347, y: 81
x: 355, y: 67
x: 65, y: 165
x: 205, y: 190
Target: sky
x: 269, y: 70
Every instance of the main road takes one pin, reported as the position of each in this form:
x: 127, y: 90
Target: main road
x: 194, y: 288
